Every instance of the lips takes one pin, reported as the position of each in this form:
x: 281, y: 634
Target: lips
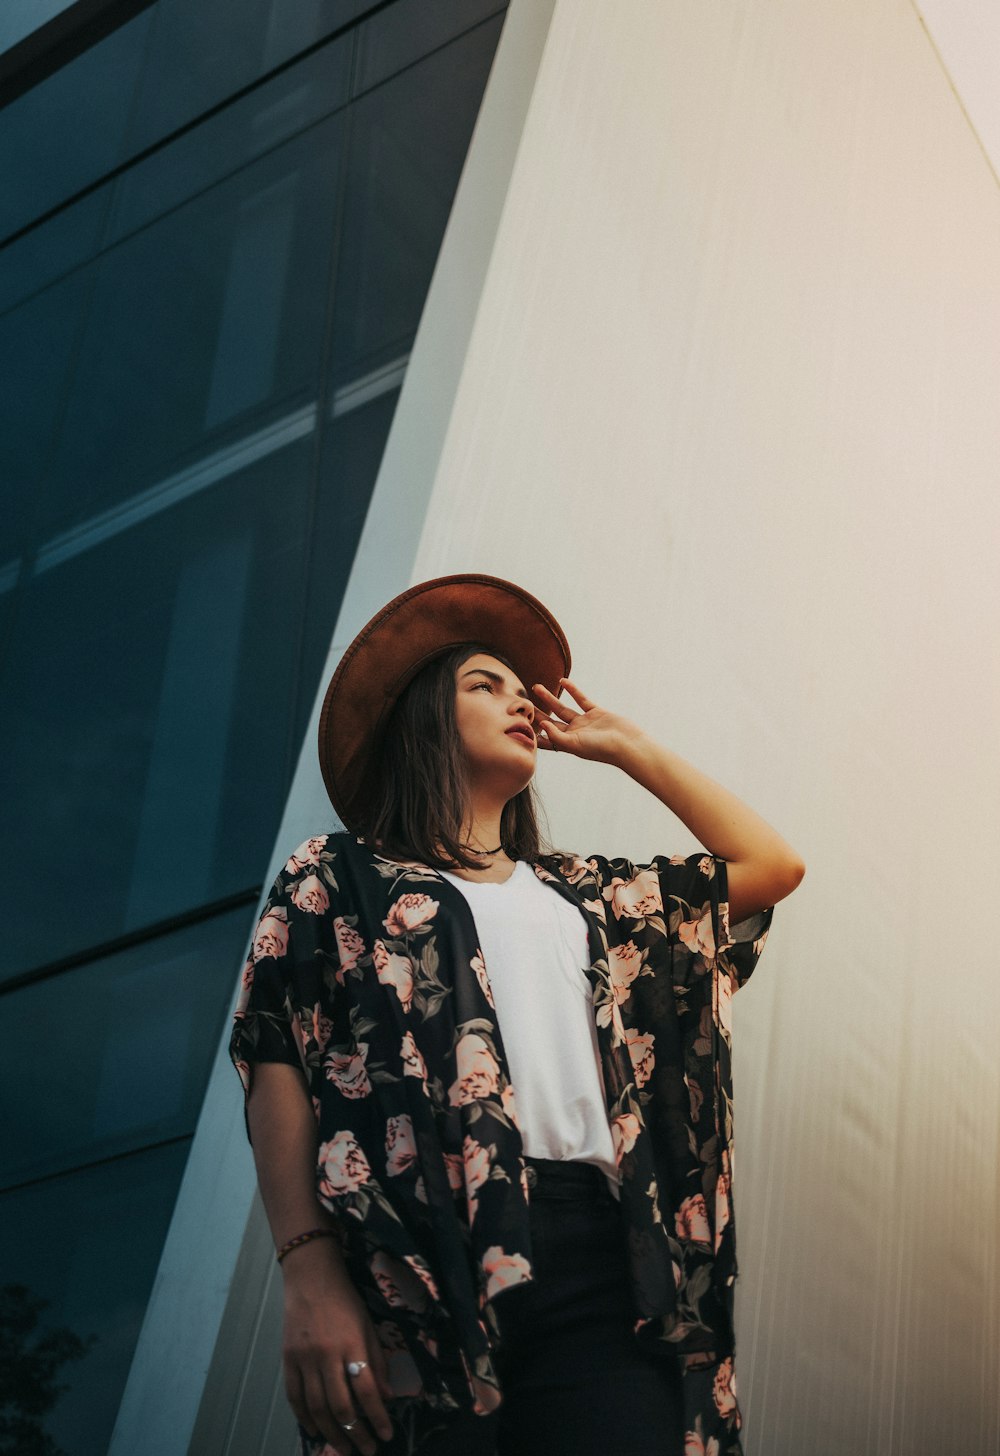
x: 527, y: 735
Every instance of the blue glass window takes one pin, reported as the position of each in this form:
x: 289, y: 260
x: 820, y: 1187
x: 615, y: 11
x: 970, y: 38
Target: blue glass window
x: 48, y: 155
x: 88, y: 1244
x: 112, y: 1056
x: 203, y: 355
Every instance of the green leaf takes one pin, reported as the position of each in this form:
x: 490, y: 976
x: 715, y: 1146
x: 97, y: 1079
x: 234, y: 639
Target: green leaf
x: 434, y: 1001
x: 698, y: 1285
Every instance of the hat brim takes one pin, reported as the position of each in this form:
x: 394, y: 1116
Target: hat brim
x: 410, y: 631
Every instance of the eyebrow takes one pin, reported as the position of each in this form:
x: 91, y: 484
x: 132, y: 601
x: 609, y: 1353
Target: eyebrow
x: 496, y: 677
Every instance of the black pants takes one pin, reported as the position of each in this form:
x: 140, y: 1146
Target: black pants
x: 575, y: 1381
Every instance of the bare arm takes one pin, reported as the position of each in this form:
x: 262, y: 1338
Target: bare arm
x: 761, y: 867
x: 326, y: 1322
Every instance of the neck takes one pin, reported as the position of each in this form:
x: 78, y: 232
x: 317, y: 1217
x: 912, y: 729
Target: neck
x: 483, y: 827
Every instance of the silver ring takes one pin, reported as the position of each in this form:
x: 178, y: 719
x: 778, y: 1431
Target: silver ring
x: 349, y: 1425
x: 355, y: 1367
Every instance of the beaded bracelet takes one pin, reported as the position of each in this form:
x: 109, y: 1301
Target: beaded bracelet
x: 306, y: 1238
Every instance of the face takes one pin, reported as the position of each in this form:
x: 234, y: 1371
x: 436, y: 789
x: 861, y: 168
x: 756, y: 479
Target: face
x: 494, y: 717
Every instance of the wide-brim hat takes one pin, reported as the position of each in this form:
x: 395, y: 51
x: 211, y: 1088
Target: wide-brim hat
x: 409, y: 632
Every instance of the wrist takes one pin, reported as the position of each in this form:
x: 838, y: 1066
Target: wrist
x: 320, y: 1259
x: 308, y: 1236
x: 632, y: 752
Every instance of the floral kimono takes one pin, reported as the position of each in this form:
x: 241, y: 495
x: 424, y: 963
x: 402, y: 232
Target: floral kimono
x: 369, y: 976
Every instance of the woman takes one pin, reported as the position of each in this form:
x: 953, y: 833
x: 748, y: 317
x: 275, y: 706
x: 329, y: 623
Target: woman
x: 488, y: 1088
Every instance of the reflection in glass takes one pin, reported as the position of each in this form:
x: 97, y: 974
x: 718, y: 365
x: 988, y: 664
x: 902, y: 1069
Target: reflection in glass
x: 138, y: 1031
x: 399, y: 35
x: 202, y: 56
x: 196, y: 323
x: 45, y: 253
x: 89, y: 1243
x: 270, y: 114
x: 353, y: 445
x: 37, y: 343
x: 408, y: 143
x: 155, y: 674
x: 48, y: 155
x: 38, y: 1352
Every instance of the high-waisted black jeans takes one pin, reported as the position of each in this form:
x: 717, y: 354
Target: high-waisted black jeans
x: 575, y: 1381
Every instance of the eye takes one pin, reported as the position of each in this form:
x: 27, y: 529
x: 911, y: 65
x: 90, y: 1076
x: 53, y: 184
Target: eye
x: 485, y: 684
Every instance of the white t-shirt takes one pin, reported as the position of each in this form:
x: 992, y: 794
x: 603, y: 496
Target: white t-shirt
x: 534, y: 944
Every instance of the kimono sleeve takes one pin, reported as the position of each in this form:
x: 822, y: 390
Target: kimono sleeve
x: 691, y: 894
x: 289, y: 978
x: 740, y: 945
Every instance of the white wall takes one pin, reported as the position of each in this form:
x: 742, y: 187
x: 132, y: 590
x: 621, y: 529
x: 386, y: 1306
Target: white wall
x: 730, y: 409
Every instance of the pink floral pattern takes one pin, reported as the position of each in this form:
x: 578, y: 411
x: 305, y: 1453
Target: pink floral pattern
x: 271, y: 936
x: 691, y: 1220
x: 395, y: 971
x: 369, y: 977
x: 724, y: 1388
x: 343, y: 1166
x: 640, y: 1049
x: 306, y: 854
x: 400, y: 1286
x: 478, y: 1071
x: 479, y: 970
x: 346, y: 1070
x: 310, y: 894
x: 624, y: 964
x: 625, y: 1129
x: 400, y: 1146
x: 636, y: 897
x: 412, y: 1061
x: 409, y: 913
x: 697, y: 934
x: 476, y: 1167
x: 504, y: 1270
x: 350, y: 947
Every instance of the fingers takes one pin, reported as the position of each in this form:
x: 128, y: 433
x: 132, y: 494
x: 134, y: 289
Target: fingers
x: 297, y: 1399
x: 329, y: 1407
x: 585, y: 703
x: 550, y: 701
x: 319, y: 1417
x: 555, y: 705
x: 544, y: 737
x: 368, y: 1398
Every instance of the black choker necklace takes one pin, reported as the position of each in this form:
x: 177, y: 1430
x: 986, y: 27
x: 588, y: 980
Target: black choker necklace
x: 484, y: 851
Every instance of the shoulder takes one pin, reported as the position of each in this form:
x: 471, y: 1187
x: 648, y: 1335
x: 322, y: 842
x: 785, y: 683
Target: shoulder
x: 673, y: 877
x: 571, y: 867
x: 322, y: 849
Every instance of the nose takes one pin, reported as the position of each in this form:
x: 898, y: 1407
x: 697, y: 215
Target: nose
x: 528, y: 709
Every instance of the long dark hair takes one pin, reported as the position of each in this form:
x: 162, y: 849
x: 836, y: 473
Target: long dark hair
x: 419, y: 804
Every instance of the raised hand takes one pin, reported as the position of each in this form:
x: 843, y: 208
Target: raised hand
x: 593, y: 732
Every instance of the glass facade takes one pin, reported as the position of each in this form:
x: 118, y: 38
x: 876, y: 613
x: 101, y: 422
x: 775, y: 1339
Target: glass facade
x: 220, y: 225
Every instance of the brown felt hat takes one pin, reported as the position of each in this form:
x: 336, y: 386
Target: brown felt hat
x: 413, y: 629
